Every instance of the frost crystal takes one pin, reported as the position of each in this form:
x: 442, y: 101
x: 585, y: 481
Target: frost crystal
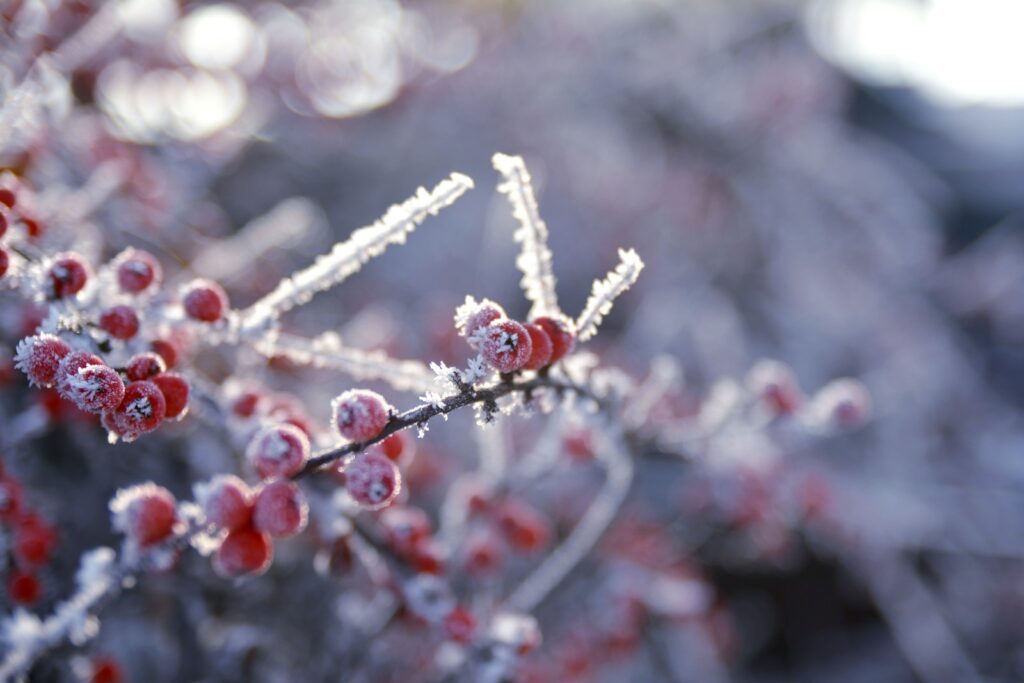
x: 349, y: 256
x: 534, y: 258
x: 604, y: 293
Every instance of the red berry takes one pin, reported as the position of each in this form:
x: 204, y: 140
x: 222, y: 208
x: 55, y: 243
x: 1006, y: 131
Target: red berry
x: 226, y: 500
x: 472, y: 316
x: 175, y: 389
x: 4, y: 221
x: 10, y: 499
x: 398, y: 448
x: 39, y: 357
x: 68, y: 275
x: 145, y: 513
x: 505, y: 345
x: 246, y: 402
x: 24, y: 588
x: 562, y: 334
x: 5, y: 262
x: 141, y: 411
x: 523, y: 527
x: 166, y: 350
x: 542, y: 347
x: 360, y: 415
x: 280, y: 509
x: 481, y: 555
x: 34, y: 541
x: 69, y: 367
x: 204, y: 301
x: 106, y: 670
x: 244, y: 551
x: 143, y: 366
x: 94, y: 388
x: 136, y: 270
x: 460, y: 625
x: 278, y: 451
x: 33, y: 226
x: 372, y: 480
x: 120, y: 322
x: 8, y: 197
x: 406, y: 527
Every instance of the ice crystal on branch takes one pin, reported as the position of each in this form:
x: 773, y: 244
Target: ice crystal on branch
x: 349, y: 256
x: 534, y: 258
x: 604, y: 293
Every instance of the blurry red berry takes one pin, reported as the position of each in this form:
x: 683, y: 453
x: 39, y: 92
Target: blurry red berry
x: 280, y: 509
x: 145, y: 513
x: 205, y: 301
x: 68, y: 275
x: 372, y: 480
x: 5, y: 262
x: 34, y: 542
x: 24, y: 588
x: 278, y: 451
x: 105, y: 670
x: 460, y: 625
x: 166, y: 350
x: 120, y: 322
x: 406, y: 527
x: 523, y: 527
x: 136, y: 270
x: 175, y: 389
x: 143, y: 366
x: 360, y: 415
x: 561, y: 333
x: 244, y: 551
x: 541, y: 346
x: 226, y: 500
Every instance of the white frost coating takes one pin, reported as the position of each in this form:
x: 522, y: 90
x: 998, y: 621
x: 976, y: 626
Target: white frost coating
x: 349, y: 256
x: 289, y: 222
x: 27, y: 637
x: 327, y: 351
x: 534, y: 258
x: 604, y: 293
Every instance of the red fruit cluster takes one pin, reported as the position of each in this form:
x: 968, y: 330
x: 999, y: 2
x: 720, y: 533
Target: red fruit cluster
x: 508, y: 345
x: 32, y: 542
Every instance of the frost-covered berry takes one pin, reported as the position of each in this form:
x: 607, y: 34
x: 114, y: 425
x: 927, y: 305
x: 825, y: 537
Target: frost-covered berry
x: 69, y: 367
x: 67, y: 275
x: 24, y: 588
x: 94, y: 388
x: 775, y: 385
x: 280, y: 509
x: 39, y: 357
x: 136, y: 270
x: 175, y: 389
x: 146, y: 513
x: 5, y: 262
x: 141, y: 411
x: 505, y: 345
x: 524, y: 528
x: 204, y: 300
x: 226, y: 500
x: 143, y: 366
x: 278, y: 451
x: 166, y: 350
x: 120, y: 322
x: 372, y: 480
x: 360, y: 414
x: 244, y: 551
x: 843, y: 403
x: 541, y: 349
x: 460, y: 625
x: 562, y: 334
x: 472, y: 316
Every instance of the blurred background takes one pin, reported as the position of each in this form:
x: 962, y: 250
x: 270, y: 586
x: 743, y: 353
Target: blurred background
x: 838, y: 185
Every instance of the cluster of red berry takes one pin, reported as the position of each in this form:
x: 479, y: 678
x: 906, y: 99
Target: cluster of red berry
x: 32, y: 542
x: 507, y: 345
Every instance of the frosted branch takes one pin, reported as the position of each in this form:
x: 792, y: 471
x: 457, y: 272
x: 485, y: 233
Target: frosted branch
x: 327, y: 351
x: 534, y: 258
x: 604, y: 293
x: 349, y: 256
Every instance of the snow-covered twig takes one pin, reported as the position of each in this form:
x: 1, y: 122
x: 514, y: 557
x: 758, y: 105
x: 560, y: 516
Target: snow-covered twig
x: 349, y: 256
x: 604, y: 293
x: 534, y: 258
